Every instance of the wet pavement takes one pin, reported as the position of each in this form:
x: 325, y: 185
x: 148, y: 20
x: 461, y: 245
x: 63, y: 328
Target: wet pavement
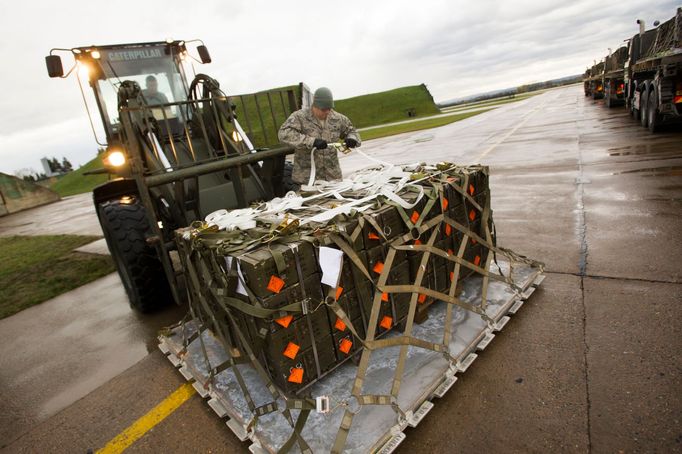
x: 590, y: 363
x: 74, y: 215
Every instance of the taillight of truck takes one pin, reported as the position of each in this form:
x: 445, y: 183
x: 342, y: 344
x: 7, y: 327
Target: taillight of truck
x: 620, y: 88
x: 678, y: 92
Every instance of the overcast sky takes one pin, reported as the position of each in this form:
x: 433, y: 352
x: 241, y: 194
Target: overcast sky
x: 455, y: 47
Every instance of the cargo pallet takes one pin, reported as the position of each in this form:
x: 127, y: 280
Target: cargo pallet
x: 427, y: 375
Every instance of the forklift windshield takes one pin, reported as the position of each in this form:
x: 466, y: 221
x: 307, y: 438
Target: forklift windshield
x: 158, y: 74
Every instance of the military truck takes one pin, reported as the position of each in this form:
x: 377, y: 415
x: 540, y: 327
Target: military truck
x: 654, y: 73
x: 613, y: 77
x: 594, y: 83
x: 175, y: 151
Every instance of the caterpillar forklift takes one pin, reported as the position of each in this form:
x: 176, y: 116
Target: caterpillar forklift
x: 174, y: 151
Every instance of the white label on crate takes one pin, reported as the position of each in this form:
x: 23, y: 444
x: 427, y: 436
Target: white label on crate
x: 331, y: 261
x: 240, y: 286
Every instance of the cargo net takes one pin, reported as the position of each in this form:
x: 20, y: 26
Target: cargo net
x: 300, y: 285
x: 668, y: 38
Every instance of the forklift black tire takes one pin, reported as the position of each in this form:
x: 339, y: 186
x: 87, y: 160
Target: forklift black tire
x: 654, y: 120
x: 126, y: 227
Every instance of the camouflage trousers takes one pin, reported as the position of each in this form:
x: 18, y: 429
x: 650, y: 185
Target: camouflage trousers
x: 326, y: 166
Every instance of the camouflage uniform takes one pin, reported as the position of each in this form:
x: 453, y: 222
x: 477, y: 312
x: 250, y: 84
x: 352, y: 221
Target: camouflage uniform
x: 300, y: 131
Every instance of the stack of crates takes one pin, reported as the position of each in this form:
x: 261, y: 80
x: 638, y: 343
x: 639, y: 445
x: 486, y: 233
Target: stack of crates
x: 299, y: 348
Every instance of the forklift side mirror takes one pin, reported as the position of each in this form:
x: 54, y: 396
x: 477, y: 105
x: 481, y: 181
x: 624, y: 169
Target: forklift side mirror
x: 54, y: 66
x: 203, y: 54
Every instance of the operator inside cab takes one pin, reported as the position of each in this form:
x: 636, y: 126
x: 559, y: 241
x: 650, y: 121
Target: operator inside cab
x: 313, y: 129
x: 152, y: 94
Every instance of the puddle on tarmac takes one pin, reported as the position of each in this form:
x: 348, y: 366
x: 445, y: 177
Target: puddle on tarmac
x: 665, y: 148
x: 424, y: 138
x: 669, y: 171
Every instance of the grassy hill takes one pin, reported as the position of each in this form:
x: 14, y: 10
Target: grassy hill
x: 76, y: 183
x: 388, y: 106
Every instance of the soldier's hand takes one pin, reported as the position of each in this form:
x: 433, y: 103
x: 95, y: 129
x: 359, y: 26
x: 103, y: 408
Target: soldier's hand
x: 320, y: 144
x: 351, y: 143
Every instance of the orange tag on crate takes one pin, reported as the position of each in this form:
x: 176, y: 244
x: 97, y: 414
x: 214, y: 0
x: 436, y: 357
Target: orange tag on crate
x: 296, y: 375
x: 471, y: 189
x: 285, y: 321
x: 452, y: 276
x: 417, y: 242
x: 345, y: 345
x: 373, y: 236
x: 473, y: 241
x: 451, y: 252
x: 421, y: 298
x: 445, y: 203
x: 291, y: 351
x: 378, y: 267
x: 384, y: 297
x: 448, y: 229
x: 386, y: 322
x: 340, y: 325
x: 339, y: 291
x: 477, y: 260
x: 276, y: 284
x: 472, y: 215
x: 415, y: 217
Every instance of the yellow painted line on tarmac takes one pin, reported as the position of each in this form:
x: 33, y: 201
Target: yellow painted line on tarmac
x: 143, y: 425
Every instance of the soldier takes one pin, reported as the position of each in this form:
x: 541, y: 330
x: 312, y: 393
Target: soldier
x: 315, y: 128
x: 152, y: 94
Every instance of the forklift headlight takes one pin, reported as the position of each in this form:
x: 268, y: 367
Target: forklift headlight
x: 115, y: 159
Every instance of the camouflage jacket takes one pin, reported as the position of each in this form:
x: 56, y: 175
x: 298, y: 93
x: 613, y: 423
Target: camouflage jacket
x: 300, y: 131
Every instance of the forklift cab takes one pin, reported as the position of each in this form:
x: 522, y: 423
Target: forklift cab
x: 105, y: 69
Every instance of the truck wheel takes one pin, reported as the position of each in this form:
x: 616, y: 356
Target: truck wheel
x: 652, y: 114
x: 643, y: 106
x: 125, y: 226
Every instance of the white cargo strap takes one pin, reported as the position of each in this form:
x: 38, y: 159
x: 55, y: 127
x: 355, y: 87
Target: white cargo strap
x: 311, y: 180
x: 242, y: 219
x: 386, y: 181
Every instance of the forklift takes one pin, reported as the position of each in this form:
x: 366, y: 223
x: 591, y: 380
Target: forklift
x: 174, y: 151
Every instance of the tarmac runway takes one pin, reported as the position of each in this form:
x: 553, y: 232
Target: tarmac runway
x: 590, y: 364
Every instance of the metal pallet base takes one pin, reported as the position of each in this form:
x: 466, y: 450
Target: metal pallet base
x: 377, y: 429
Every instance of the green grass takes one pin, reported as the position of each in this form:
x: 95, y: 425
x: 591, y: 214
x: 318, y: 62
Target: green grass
x: 37, y: 268
x: 387, y: 106
x: 488, y: 102
x: 385, y: 131
x: 76, y: 183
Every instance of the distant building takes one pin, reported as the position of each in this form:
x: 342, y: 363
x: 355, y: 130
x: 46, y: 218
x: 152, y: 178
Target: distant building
x: 47, y: 168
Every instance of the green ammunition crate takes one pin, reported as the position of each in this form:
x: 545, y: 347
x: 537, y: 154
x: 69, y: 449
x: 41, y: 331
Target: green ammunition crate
x: 348, y: 226
x: 280, y: 366
x: 258, y: 266
x: 339, y: 336
x: 390, y: 222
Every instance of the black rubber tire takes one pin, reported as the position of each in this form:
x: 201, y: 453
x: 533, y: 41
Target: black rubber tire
x: 653, y: 120
x: 126, y: 227
x: 288, y: 178
x: 643, y: 103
